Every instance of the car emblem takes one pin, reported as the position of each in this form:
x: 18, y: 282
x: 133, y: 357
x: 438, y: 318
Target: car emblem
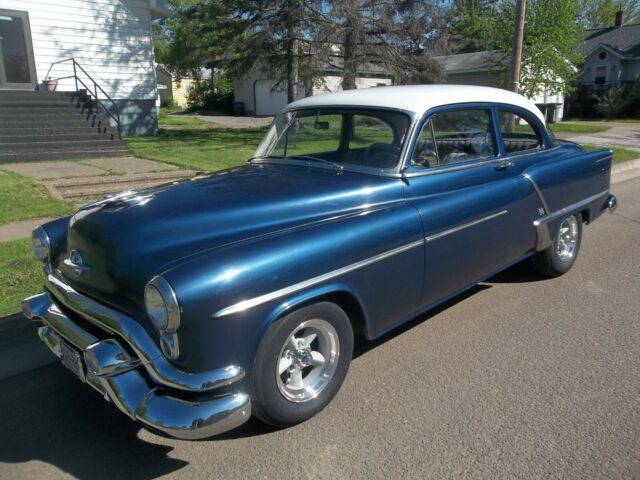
x: 76, y: 263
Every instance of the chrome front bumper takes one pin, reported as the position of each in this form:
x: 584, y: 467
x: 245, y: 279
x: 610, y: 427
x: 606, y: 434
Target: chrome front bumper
x: 137, y: 379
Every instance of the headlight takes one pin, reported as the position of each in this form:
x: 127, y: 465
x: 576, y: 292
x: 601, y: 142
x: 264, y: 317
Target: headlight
x: 163, y: 310
x: 162, y: 305
x: 40, y: 244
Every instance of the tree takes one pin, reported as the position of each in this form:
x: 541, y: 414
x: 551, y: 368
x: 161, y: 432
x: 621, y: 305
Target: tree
x: 237, y: 36
x: 552, y: 38
x: 396, y: 35
x: 601, y: 13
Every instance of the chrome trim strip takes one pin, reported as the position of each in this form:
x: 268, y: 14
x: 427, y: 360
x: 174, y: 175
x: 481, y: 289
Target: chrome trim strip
x: 569, y: 208
x: 444, y: 233
x: 545, y: 206
x: 252, y: 302
x: 543, y: 240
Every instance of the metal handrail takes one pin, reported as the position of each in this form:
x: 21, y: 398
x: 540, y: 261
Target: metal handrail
x: 77, y: 66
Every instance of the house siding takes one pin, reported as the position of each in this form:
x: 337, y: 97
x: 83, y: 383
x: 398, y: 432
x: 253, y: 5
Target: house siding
x: 110, y: 39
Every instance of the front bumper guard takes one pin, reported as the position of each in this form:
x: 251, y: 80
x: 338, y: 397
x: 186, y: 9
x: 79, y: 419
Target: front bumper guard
x: 120, y: 378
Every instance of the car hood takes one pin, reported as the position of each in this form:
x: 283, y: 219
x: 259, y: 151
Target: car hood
x: 123, y: 241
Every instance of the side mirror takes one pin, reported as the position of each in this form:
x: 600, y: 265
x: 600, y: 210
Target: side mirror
x: 426, y: 158
x: 321, y: 125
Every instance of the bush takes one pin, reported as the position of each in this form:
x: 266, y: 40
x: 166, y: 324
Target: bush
x: 612, y: 104
x: 215, y: 93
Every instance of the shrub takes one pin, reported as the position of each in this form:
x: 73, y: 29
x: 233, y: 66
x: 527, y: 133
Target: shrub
x: 215, y: 93
x: 613, y: 103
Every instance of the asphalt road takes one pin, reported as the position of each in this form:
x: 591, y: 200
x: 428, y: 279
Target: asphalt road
x: 519, y: 378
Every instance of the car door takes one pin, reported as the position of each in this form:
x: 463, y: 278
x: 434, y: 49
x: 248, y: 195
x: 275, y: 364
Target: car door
x: 476, y: 210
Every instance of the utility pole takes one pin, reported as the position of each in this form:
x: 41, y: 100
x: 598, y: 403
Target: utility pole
x: 516, y: 54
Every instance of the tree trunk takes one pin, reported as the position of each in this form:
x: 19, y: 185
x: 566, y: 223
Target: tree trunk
x: 350, y: 50
x: 292, y: 52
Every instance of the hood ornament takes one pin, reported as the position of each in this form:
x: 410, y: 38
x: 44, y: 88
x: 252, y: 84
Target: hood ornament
x: 76, y: 263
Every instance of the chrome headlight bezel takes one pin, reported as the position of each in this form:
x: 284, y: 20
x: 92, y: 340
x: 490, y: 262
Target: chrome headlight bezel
x: 41, y: 245
x: 161, y: 305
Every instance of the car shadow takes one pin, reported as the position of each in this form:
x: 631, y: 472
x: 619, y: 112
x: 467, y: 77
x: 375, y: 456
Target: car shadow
x: 519, y: 273
x: 47, y: 415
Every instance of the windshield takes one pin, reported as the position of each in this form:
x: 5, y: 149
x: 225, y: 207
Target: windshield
x: 337, y: 136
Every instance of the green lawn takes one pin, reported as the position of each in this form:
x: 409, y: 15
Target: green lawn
x: 177, y: 120
x: 22, y: 199
x: 20, y: 275
x: 206, y: 149
x: 577, y: 128
x: 619, y: 154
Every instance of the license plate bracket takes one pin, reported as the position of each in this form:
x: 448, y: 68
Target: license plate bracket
x: 72, y: 360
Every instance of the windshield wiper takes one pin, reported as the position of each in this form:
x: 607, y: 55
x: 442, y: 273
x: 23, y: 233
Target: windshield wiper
x: 336, y: 165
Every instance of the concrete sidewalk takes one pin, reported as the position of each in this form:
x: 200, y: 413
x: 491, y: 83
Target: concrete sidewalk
x: 622, y: 135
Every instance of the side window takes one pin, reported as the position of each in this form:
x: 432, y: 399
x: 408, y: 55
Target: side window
x: 518, y: 134
x: 424, y: 153
x: 463, y: 135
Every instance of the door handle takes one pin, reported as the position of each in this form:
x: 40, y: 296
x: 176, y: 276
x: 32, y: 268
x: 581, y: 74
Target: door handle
x: 504, y: 165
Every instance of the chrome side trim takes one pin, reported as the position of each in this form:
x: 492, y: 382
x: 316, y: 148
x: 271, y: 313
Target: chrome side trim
x: 246, y: 304
x: 569, y: 208
x: 535, y: 186
x: 541, y: 224
x: 444, y: 233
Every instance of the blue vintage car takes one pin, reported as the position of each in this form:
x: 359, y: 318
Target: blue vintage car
x: 194, y: 305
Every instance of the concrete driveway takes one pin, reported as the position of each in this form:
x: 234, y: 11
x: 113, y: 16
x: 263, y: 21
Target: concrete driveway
x: 624, y: 135
x: 519, y: 378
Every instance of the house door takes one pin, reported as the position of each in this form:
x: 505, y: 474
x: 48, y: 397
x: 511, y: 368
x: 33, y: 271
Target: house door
x: 17, y: 68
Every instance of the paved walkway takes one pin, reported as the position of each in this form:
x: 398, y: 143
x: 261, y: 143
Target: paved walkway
x: 79, y: 182
x: 623, y: 135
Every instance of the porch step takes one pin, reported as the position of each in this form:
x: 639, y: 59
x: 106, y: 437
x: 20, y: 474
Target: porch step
x: 36, y: 126
x: 37, y: 137
x: 63, y: 154
x: 48, y: 110
x: 66, y: 145
x: 27, y: 129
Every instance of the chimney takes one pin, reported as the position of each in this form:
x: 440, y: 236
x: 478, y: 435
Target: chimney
x: 618, y: 18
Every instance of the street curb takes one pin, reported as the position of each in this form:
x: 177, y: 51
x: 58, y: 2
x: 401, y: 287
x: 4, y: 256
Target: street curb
x: 624, y: 166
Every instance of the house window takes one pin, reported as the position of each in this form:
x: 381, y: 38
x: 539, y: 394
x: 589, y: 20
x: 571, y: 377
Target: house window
x: 600, y: 75
x: 602, y: 55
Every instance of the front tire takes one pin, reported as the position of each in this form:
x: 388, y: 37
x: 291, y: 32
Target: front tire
x: 558, y: 259
x: 301, y: 363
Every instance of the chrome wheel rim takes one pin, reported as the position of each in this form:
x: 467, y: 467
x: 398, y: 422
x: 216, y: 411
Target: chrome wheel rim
x: 567, y: 239
x: 307, y: 361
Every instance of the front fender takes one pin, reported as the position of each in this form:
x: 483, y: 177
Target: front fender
x: 228, y: 297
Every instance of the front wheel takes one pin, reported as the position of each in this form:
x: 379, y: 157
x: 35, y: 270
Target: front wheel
x: 561, y: 255
x: 301, y: 363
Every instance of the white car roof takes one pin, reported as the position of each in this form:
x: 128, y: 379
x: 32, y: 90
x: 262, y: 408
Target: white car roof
x: 417, y: 98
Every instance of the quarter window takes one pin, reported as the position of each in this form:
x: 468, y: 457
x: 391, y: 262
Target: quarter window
x: 518, y: 134
x: 462, y: 135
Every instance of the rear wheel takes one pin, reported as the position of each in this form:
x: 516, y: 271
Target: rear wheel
x: 301, y: 363
x: 561, y: 255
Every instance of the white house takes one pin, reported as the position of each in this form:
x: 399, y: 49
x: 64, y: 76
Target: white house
x: 110, y: 39
x: 261, y: 95
x: 477, y: 69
